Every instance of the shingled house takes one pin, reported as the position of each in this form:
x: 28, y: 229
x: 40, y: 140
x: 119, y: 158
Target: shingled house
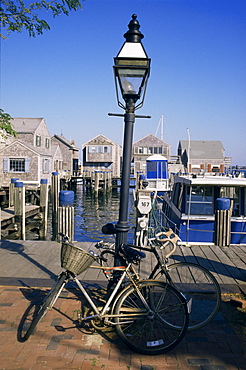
x: 27, y: 157
x: 69, y: 154
x: 144, y: 148
x: 34, y: 155
x: 102, y: 154
x: 201, y: 155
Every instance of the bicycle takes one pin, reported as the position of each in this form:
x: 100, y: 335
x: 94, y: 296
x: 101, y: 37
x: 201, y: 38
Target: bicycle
x: 150, y: 316
x: 199, y: 285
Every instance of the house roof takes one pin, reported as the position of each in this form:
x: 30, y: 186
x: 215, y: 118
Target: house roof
x: 150, y: 140
x: 28, y: 146
x: 65, y: 141
x: 99, y: 140
x: 202, y: 149
x: 26, y: 125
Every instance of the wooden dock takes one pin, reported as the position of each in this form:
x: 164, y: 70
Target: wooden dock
x: 7, y: 214
x: 37, y: 263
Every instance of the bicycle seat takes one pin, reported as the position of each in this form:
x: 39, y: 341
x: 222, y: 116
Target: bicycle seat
x: 130, y: 254
x: 109, y: 229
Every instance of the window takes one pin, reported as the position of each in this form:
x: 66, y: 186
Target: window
x: 160, y: 150
x: 140, y: 150
x: 38, y: 140
x: 46, y: 165
x: 199, y: 200
x: 105, y: 149
x: 47, y: 143
x: 92, y: 149
x: 16, y: 164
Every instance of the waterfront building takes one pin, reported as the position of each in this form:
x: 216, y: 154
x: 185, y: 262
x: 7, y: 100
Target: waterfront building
x: 69, y: 155
x: 144, y: 148
x: 27, y: 157
x: 102, y: 154
x: 203, y: 156
x: 33, y: 155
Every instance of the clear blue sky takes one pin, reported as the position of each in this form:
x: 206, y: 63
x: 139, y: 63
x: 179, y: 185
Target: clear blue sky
x: 197, y: 80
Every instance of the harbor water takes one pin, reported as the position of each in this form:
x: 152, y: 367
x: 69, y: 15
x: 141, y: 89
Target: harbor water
x: 92, y: 211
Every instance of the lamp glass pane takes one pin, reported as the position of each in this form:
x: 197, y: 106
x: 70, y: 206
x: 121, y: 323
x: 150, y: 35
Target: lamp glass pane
x: 131, y: 80
x: 130, y: 85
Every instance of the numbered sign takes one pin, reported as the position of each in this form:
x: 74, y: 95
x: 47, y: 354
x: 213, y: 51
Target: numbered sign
x: 144, y: 205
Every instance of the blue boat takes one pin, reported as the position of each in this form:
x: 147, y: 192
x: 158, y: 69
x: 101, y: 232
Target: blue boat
x: 207, y: 210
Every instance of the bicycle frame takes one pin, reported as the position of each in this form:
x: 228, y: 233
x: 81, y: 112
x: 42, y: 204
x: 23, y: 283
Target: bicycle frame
x: 103, y: 314
x: 159, y: 264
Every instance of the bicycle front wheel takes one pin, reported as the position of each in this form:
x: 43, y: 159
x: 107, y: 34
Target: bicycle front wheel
x: 36, y: 311
x: 152, y: 319
x: 200, y: 288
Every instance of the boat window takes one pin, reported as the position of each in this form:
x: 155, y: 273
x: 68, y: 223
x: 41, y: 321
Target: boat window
x: 199, y: 200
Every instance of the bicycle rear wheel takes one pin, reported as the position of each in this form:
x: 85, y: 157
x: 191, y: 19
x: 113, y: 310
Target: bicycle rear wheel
x: 152, y: 320
x: 36, y: 311
x: 200, y: 288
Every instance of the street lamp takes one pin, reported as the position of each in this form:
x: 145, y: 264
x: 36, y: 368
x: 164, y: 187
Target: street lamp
x: 131, y: 72
x: 132, y: 66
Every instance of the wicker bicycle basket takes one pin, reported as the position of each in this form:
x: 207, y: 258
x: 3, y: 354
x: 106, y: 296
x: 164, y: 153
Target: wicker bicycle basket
x: 75, y: 259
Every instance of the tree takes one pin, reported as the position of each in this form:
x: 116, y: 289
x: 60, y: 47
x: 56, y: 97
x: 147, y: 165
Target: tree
x: 16, y: 15
x: 6, y: 126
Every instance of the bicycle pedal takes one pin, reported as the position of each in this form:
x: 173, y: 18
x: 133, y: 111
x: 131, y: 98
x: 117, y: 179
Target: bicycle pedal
x: 79, y: 316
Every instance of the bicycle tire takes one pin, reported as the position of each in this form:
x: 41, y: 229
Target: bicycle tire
x: 40, y: 309
x: 200, y: 288
x: 154, y: 332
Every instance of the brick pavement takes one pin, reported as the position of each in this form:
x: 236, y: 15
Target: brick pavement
x: 58, y: 344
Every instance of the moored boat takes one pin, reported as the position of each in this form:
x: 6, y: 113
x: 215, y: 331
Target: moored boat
x: 207, y: 209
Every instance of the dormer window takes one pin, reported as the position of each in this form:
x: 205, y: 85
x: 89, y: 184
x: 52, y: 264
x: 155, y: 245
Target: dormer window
x: 38, y: 140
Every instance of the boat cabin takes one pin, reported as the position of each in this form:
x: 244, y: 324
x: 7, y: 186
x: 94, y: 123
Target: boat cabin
x: 201, y: 207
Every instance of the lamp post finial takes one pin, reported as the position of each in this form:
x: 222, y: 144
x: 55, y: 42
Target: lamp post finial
x: 133, y: 34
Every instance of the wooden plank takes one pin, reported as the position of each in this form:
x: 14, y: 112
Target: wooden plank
x: 218, y: 266
x: 203, y: 260
x: 240, y: 251
x: 41, y: 260
x: 189, y: 254
x: 235, y: 264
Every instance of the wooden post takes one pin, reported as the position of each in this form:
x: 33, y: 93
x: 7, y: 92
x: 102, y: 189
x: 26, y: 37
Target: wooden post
x: 66, y: 222
x: 96, y: 186
x: 19, y: 207
x: 55, y: 187
x: 44, y: 207
x: 105, y: 182
x: 12, y: 192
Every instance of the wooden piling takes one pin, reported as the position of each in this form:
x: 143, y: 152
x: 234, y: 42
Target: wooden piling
x: 44, y: 207
x: 96, y: 184
x: 19, y: 208
x: 12, y: 191
x: 66, y: 222
x: 55, y: 188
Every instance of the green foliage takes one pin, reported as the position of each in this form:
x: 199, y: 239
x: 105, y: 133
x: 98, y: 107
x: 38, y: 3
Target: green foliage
x: 5, y: 124
x: 16, y: 15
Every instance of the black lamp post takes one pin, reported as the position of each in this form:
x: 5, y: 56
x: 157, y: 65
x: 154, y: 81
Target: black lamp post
x: 131, y: 71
